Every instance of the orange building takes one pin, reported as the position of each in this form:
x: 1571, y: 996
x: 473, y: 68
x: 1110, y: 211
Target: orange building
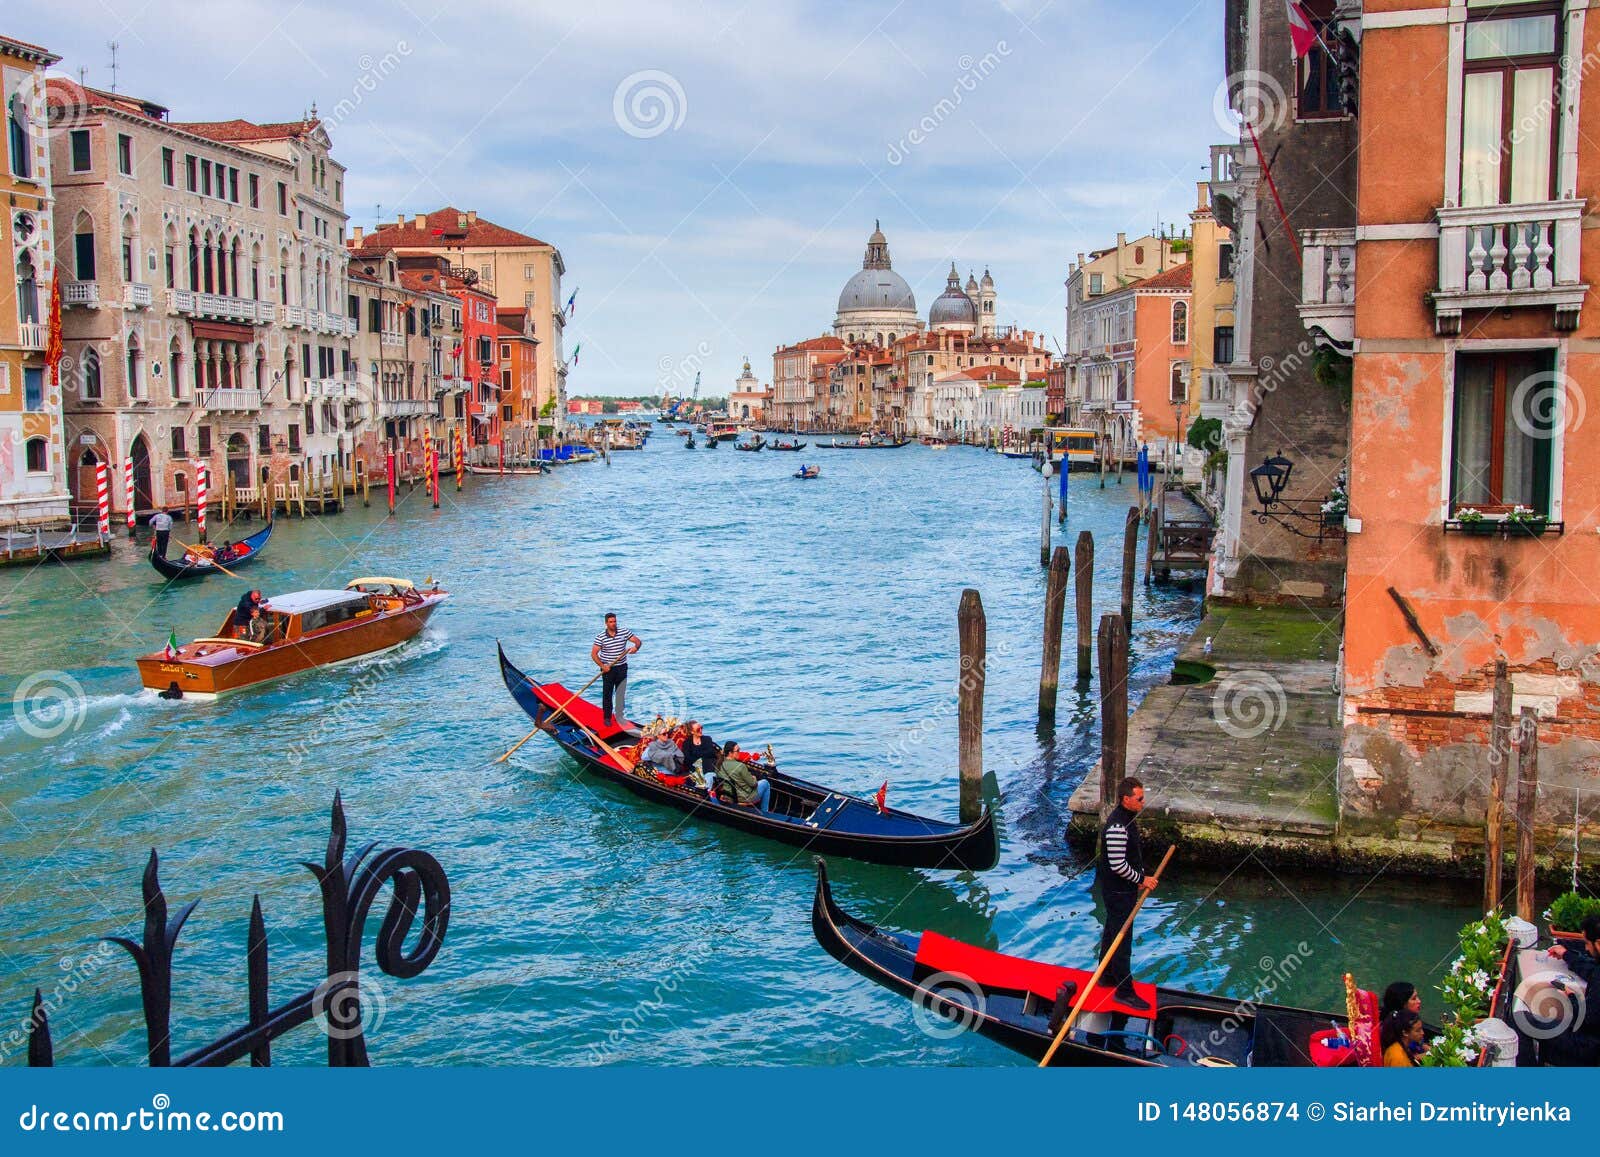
x: 519, y: 375
x: 1161, y: 354
x: 1473, y: 500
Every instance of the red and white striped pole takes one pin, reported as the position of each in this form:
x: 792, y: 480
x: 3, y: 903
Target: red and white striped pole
x: 201, y: 473
x: 127, y: 491
x: 102, y: 494
x: 388, y: 466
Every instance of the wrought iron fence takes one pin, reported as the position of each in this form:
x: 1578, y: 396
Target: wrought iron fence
x: 350, y: 885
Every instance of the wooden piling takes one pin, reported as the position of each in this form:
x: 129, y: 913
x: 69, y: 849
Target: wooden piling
x: 1130, y: 555
x: 1527, y: 798
x: 366, y: 488
x: 1499, y: 769
x: 1113, y: 644
x: 1152, y: 519
x: 1083, y: 566
x: 1044, y: 525
x: 973, y: 631
x: 1055, y: 609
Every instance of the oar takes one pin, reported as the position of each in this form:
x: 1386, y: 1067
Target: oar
x: 549, y: 717
x: 1066, y: 1025
x: 212, y: 560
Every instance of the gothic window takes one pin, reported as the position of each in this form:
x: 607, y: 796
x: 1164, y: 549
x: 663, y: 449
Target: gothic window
x: 1180, y: 323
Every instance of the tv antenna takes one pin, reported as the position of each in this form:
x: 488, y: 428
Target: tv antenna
x: 112, y: 45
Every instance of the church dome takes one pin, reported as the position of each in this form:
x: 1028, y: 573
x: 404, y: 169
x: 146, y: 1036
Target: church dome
x: 952, y: 308
x: 877, y: 290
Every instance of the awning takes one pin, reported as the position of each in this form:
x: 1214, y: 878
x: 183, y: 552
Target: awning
x: 223, y: 331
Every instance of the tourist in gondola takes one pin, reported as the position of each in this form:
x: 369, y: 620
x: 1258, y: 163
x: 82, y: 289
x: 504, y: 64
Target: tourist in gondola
x: 1580, y: 1044
x: 1401, y: 995
x: 746, y: 789
x: 663, y: 753
x: 698, y: 747
x: 1401, y: 1039
x: 610, y: 652
x: 161, y: 523
x: 1120, y: 874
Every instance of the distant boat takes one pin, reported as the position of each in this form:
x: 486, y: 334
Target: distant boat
x: 864, y: 444
x: 753, y: 447
x: 786, y: 446
x: 509, y: 471
x: 808, y: 472
x: 190, y: 566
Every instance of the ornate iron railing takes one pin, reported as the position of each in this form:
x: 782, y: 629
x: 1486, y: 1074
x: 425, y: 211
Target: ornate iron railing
x: 350, y: 885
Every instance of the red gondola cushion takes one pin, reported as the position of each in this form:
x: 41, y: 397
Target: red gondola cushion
x: 997, y: 970
x: 582, y: 711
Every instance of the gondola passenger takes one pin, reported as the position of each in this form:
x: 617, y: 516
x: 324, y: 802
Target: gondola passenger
x: 746, y: 789
x: 698, y: 748
x: 1401, y: 1039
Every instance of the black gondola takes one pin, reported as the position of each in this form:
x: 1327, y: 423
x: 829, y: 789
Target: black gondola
x: 786, y: 446
x: 752, y: 447
x: 245, y: 551
x: 804, y: 815
x: 1010, y: 1000
x: 838, y: 445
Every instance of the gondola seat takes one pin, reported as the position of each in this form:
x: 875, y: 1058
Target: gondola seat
x: 988, y: 969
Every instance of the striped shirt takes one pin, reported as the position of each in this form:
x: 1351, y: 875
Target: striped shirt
x: 613, y: 648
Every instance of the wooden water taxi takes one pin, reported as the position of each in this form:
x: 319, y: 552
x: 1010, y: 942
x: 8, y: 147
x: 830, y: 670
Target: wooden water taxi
x: 305, y: 629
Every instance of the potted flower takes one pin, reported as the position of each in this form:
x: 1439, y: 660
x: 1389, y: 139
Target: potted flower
x: 1522, y: 520
x: 1471, y: 520
x: 1567, y: 912
x: 1468, y: 992
x: 1336, y: 505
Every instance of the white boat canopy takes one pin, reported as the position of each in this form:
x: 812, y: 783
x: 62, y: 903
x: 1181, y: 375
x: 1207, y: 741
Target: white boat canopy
x: 379, y: 581
x: 300, y: 602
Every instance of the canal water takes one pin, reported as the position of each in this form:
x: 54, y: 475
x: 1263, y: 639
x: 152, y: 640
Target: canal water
x: 817, y: 616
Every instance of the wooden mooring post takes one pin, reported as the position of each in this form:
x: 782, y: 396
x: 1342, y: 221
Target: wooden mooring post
x: 1055, y: 610
x: 1499, y: 769
x: 1527, y: 799
x: 973, y: 632
x: 1044, y: 524
x: 1130, y: 557
x: 1113, y: 643
x: 1083, y: 579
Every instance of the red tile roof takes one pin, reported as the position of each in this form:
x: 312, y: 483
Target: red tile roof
x: 991, y: 373
x: 1178, y: 277
x: 235, y: 131
x: 453, y: 231
x: 827, y: 342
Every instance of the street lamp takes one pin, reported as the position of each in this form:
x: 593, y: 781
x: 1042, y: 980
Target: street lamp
x: 1270, y: 479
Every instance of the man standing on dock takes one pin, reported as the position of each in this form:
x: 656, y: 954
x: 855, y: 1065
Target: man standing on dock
x: 610, y: 652
x: 1119, y: 870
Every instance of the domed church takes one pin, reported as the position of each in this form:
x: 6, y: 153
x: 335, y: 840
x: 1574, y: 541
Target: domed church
x: 876, y: 305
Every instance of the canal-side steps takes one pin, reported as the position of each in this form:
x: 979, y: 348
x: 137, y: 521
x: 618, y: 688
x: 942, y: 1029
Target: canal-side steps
x: 1240, y: 752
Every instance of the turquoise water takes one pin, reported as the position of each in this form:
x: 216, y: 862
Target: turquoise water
x: 587, y: 926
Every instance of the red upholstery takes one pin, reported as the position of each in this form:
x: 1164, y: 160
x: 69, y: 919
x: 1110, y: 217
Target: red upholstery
x: 997, y: 970
x: 1325, y: 1055
x: 581, y: 711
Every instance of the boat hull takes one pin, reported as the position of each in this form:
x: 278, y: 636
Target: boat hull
x: 907, y: 840
x: 863, y: 446
x: 211, y: 670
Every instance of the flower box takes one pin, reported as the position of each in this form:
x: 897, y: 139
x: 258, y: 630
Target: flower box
x: 1525, y: 528
x: 1483, y: 526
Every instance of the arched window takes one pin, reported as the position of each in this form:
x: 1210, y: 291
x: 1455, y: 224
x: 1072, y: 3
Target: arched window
x: 194, y: 259
x: 135, y: 368
x: 208, y: 264
x: 38, y: 452
x: 1138, y: 254
x: 255, y: 271
x: 90, y: 369
x: 169, y: 258
x: 83, y: 247
x: 20, y: 132
x: 27, y: 290
x: 175, y: 368
x: 1180, y: 323
x: 1180, y: 386
x: 130, y: 272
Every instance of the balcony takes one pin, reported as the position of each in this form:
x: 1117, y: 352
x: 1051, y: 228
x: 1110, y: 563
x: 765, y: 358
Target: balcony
x: 137, y: 296
x: 392, y: 340
x: 404, y: 408
x: 30, y: 335
x: 188, y: 303
x: 1328, y: 286
x: 230, y: 400
x: 331, y: 389
x: 1216, y: 393
x: 1503, y: 256
x: 84, y: 293
x: 318, y: 321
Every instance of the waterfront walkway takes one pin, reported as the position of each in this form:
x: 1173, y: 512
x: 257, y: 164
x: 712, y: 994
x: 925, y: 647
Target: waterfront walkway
x: 1242, y: 748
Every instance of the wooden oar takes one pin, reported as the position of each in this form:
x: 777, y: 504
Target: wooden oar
x: 212, y: 560
x: 1127, y: 925
x: 549, y: 717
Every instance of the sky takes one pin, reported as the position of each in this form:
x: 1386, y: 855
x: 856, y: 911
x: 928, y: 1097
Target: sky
x: 711, y: 172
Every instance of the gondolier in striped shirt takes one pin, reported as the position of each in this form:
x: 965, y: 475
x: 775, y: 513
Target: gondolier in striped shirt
x: 1119, y: 871
x: 610, y: 652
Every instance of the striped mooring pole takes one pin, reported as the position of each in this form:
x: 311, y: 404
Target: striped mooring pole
x: 102, y: 493
x: 200, y: 479
x: 127, y: 489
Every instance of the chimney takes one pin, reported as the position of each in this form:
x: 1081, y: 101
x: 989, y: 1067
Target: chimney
x: 355, y: 236
x: 420, y: 220
x: 401, y: 220
x: 472, y: 216
x: 1122, y: 239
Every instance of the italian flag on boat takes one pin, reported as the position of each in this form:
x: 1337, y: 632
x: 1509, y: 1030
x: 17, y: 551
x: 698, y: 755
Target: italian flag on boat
x: 170, y: 651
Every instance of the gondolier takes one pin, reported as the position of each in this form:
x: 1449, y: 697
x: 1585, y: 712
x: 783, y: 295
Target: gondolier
x: 1119, y: 872
x: 161, y: 523
x: 610, y: 652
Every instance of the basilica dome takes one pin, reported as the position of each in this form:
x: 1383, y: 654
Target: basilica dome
x: 953, y: 309
x: 876, y: 304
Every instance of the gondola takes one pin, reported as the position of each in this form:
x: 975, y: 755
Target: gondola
x: 245, y: 551
x: 804, y: 815
x: 786, y: 446
x: 838, y: 445
x: 808, y: 472
x: 1010, y: 999
x: 507, y: 471
x: 751, y: 447
x: 689, y: 442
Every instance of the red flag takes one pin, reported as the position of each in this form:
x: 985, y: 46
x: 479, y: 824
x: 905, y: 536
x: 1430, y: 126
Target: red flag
x: 882, y: 796
x: 1302, y: 34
